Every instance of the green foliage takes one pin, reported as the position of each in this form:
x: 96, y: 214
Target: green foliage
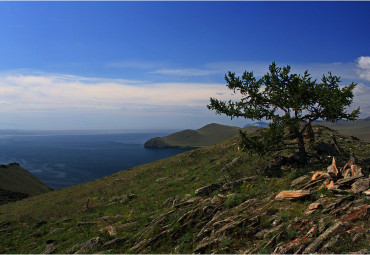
x: 289, y: 101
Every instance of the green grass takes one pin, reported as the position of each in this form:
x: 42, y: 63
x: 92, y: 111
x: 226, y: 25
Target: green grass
x: 135, y: 195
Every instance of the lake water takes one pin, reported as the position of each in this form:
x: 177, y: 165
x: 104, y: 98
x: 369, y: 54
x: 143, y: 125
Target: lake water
x: 64, y: 158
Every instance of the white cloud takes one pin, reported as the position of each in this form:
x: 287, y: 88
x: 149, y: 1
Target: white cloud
x: 63, y: 92
x: 363, y: 64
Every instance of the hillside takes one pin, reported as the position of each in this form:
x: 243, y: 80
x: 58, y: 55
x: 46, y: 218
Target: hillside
x: 358, y: 128
x: 215, y: 199
x: 17, y: 183
x: 205, y: 136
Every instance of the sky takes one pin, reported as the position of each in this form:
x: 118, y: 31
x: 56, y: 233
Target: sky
x: 154, y: 65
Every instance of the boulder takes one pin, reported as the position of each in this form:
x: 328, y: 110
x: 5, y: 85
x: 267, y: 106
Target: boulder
x: 333, y: 168
x: 89, y: 245
x: 299, y: 180
x: 356, y: 171
x: 360, y: 185
x: 315, y: 245
x: 290, y: 195
x: 49, y: 249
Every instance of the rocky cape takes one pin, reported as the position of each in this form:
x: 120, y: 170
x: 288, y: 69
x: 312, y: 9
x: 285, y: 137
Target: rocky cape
x: 17, y: 183
x: 208, y: 135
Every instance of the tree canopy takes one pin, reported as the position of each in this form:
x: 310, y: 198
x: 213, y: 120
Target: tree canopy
x: 287, y: 100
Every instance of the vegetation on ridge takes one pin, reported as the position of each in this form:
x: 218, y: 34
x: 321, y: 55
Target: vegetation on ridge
x: 205, y: 136
x: 287, y: 100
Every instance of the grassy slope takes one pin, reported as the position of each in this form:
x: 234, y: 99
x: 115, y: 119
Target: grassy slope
x: 138, y: 194
x: 205, y: 136
x: 359, y: 128
x: 15, y: 178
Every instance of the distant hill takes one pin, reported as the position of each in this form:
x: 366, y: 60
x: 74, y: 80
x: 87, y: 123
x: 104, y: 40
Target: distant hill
x: 17, y: 183
x: 258, y: 124
x: 359, y: 128
x: 208, y: 135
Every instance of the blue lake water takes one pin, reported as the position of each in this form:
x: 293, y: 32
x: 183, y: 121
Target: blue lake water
x: 64, y: 158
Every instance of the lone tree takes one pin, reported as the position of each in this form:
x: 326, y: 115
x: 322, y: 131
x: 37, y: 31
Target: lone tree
x: 288, y: 100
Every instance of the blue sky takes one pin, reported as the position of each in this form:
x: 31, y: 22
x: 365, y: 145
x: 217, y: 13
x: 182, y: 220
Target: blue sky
x: 82, y: 65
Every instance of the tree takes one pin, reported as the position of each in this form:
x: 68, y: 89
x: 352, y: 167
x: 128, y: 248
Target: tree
x: 288, y: 100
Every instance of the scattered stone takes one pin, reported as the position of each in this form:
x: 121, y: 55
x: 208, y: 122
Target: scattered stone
x: 299, y: 180
x: 172, y: 201
x: 84, y: 223
x: 315, y: 245
x: 356, y: 171
x: 289, y: 195
x: 205, y: 243
x: 160, y: 180
x: 360, y: 185
x: 89, y: 245
x: 111, y: 230
x: 232, y: 164
x: 207, y: 190
x: 40, y: 223
x: 333, y: 168
x: 318, y: 175
x: 367, y: 192
x: 49, y: 249
x: 312, y: 207
x: 111, y: 218
x: 230, y: 185
x: 114, y: 241
x: 363, y: 251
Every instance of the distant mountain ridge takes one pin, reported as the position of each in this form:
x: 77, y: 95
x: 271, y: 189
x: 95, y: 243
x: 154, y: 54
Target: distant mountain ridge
x: 208, y: 135
x: 17, y: 183
x: 258, y: 124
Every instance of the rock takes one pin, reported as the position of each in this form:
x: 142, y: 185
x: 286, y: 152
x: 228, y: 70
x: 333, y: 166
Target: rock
x: 290, y: 195
x: 318, y: 175
x: 89, y: 245
x: 160, y: 180
x: 205, y: 243
x: 114, y: 241
x: 360, y: 185
x: 172, y: 201
x: 207, y: 190
x: 356, y: 171
x: 299, y: 180
x: 312, y: 207
x: 111, y: 230
x: 232, y: 164
x: 74, y: 248
x: 84, y: 223
x: 346, y: 183
x: 333, y: 168
x: 49, y: 249
x: 367, y: 192
x: 315, y: 245
x: 230, y: 185
x: 112, y: 218
x: 332, y: 242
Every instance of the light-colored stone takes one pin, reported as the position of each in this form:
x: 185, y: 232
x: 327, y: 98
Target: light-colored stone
x: 292, y: 194
x: 360, y: 185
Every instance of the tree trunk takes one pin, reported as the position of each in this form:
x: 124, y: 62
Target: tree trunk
x: 302, y: 150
